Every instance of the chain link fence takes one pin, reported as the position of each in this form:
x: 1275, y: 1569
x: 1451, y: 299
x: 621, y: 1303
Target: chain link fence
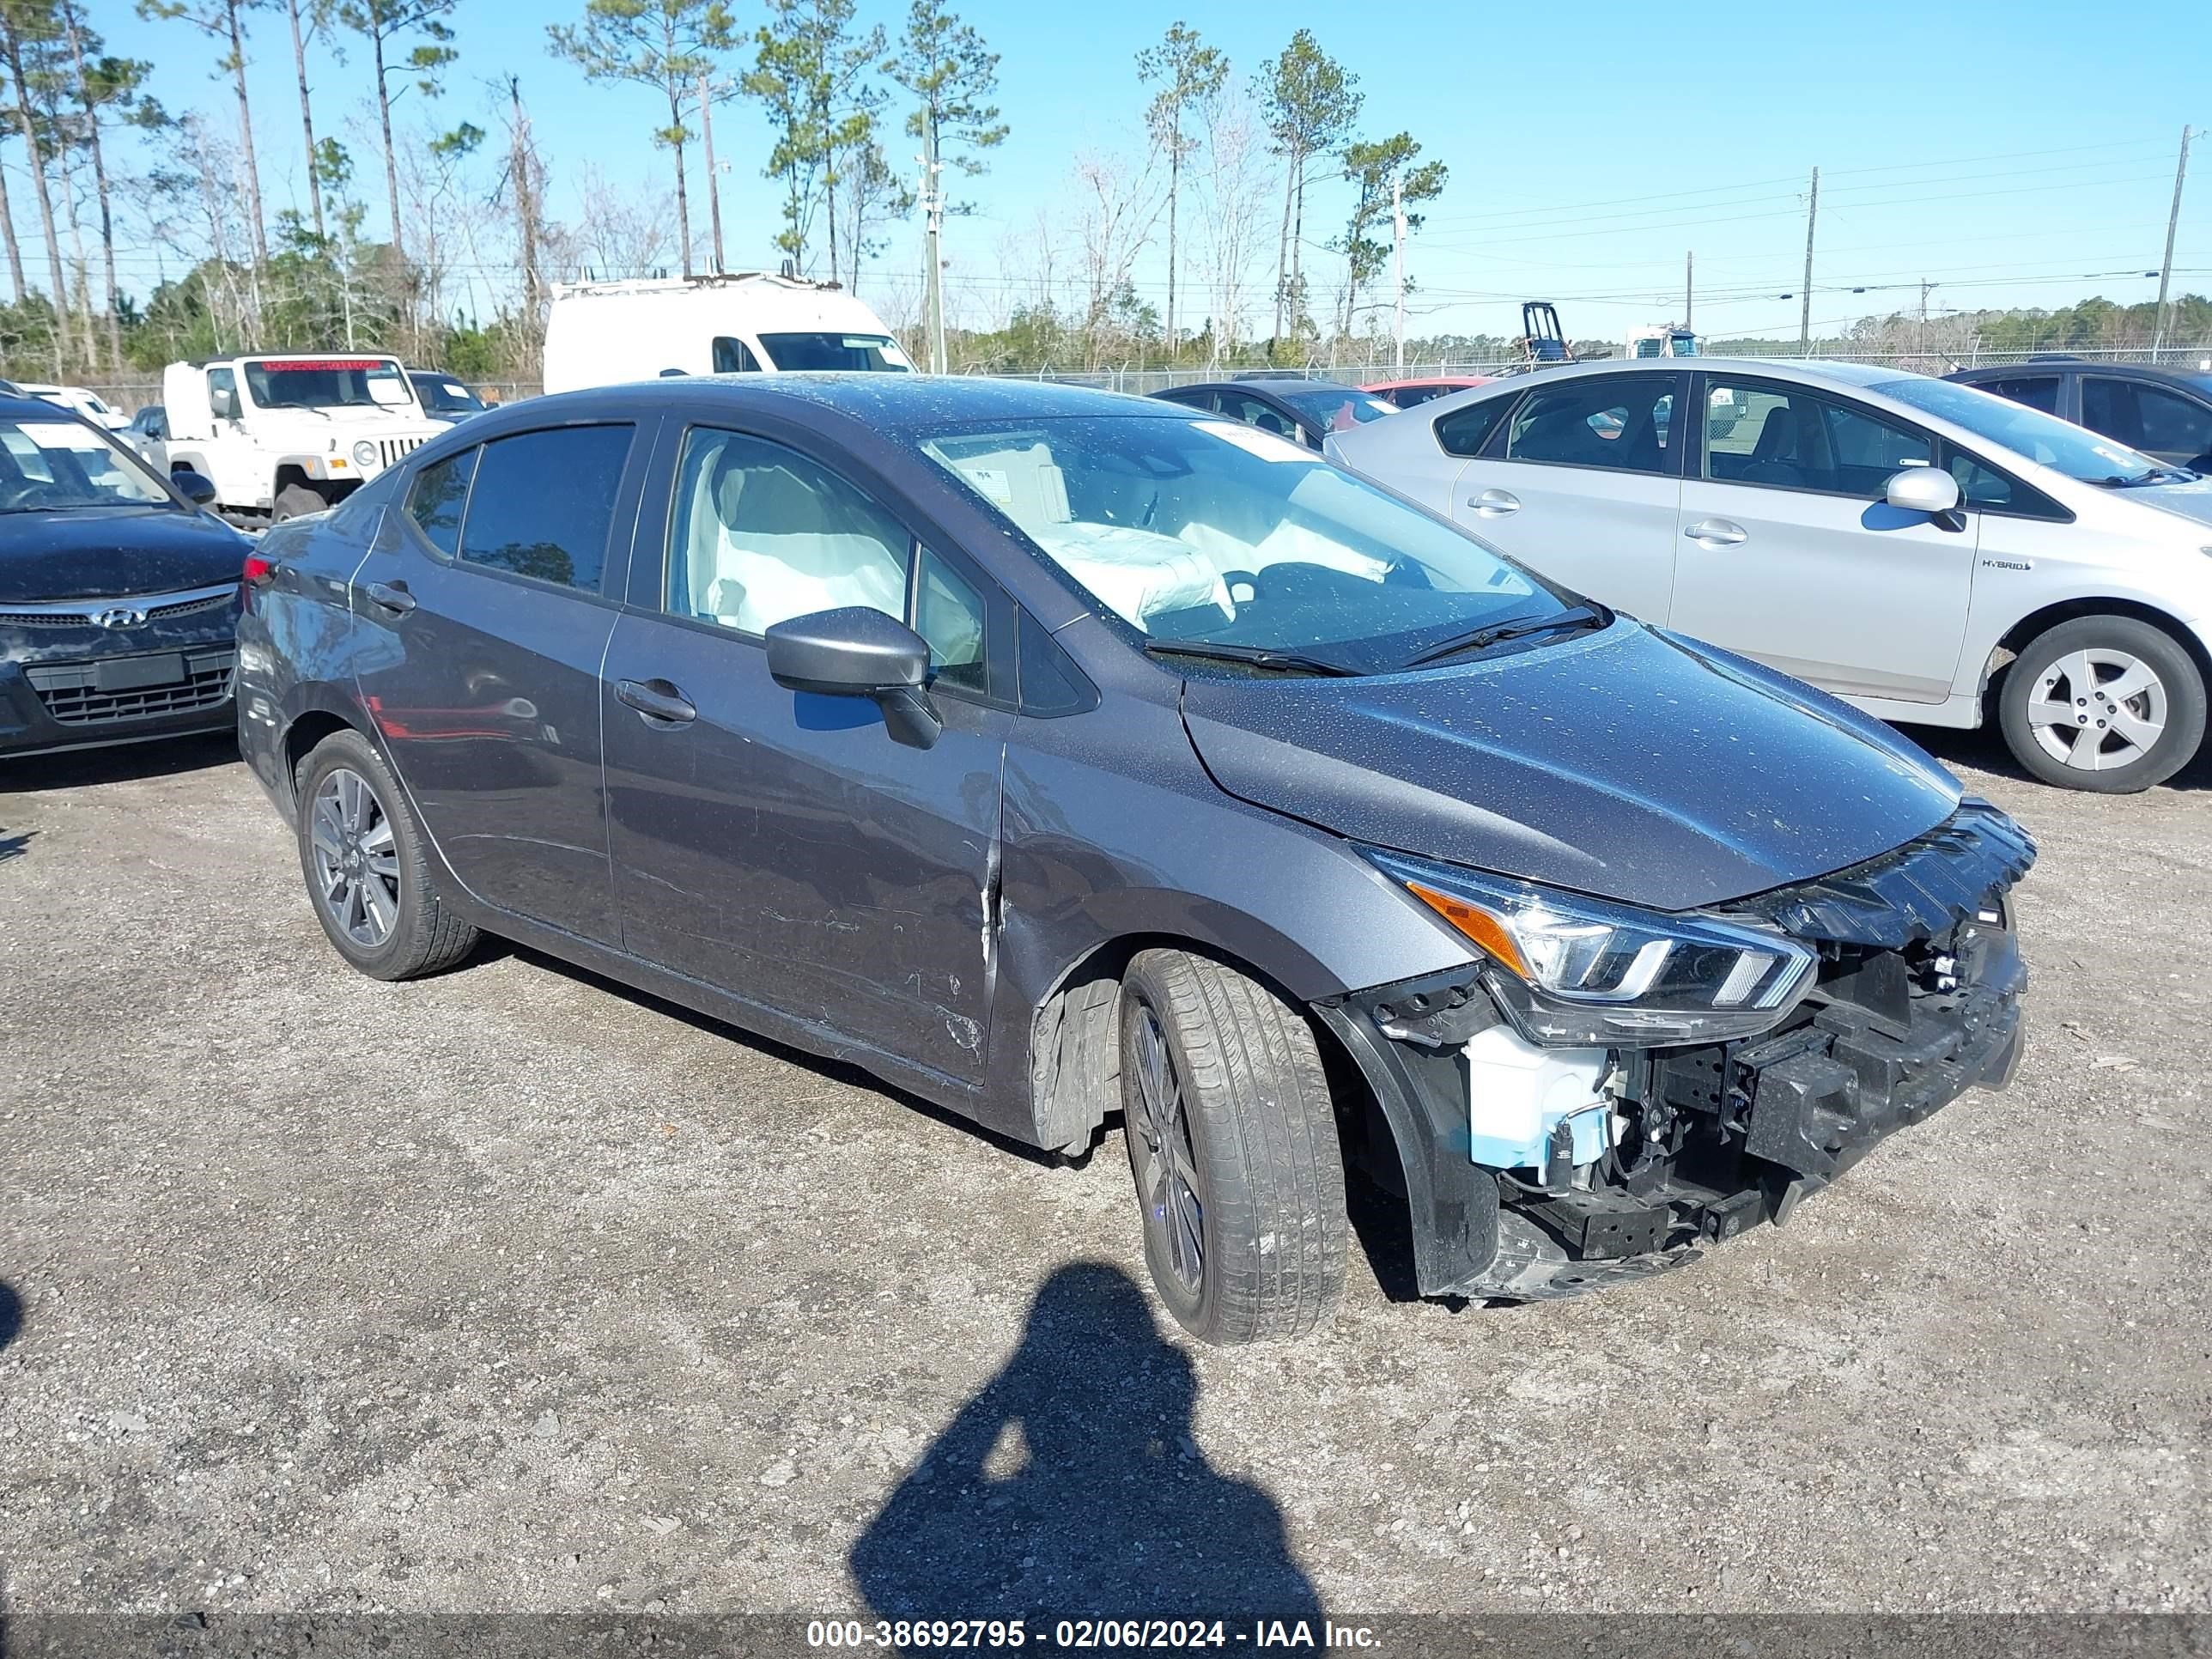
x: 128, y: 396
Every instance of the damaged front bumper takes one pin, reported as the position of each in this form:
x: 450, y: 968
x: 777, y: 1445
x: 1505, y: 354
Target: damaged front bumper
x: 1918, y: 1000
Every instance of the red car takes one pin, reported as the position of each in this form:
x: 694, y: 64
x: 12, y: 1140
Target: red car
x: 1407, y: 394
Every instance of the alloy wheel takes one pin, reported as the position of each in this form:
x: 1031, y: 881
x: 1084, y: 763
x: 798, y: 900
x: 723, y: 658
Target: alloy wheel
x: 355, y: 857
x: 1167, y: 1164
x: 2098, y: 709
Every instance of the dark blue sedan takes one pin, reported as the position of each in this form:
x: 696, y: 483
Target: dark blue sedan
x: 118, y: 595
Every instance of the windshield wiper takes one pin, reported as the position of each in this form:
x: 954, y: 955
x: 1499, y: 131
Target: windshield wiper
x: 1515, y: 628
x: 1259, y: 656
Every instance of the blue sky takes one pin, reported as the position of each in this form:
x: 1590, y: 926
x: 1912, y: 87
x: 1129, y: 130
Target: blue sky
x: 2012, y: 154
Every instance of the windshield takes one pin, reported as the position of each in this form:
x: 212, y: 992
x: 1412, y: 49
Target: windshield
x: 2045, y: 439
x: 46, y: 464
x: 443, y: 397
x: 327, y: 382
x: 1337, y: 408
x: 1200, y: 530
x: 868, y: 353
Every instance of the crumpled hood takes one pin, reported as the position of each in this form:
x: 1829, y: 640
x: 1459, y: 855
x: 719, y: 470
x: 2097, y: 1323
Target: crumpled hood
x: 115, y: 552
x: 2192, y: 501
x: 1630, y: 764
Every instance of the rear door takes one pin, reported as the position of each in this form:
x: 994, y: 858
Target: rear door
x: 486, y: 606
x: 1790, y: 554
x: 781, y: 846
x: 2165, y: 423
x: 1582, y: 482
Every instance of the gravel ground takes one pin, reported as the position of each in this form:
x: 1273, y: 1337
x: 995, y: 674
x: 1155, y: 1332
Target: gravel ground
x: 511, y: 1291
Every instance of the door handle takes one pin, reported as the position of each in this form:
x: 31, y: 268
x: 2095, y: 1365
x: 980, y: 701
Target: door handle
x: 1495, y: 503
x: 391, y: 596
x: 1717, y: 533
x: 657, y: 701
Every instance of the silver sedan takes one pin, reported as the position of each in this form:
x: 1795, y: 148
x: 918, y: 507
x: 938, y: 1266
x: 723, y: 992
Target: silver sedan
x: 1926, y: 552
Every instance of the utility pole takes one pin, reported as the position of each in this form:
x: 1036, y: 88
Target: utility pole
x: 1920, y: 340
x: 932, y: 207
x: 1805, y: 304
x: 2173, y: 218
x: 1398, y: 239
x: 1689, y: 288
x: 713, y: 184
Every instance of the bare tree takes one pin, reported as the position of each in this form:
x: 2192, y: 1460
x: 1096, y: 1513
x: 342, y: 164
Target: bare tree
x: 224, y: 21
x: 623, y: 229
x: 318, y: 14
x: 1236, y: 182
x: 1117, y: 206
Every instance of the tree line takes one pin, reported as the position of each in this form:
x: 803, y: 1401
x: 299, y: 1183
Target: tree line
x: 426, y: 231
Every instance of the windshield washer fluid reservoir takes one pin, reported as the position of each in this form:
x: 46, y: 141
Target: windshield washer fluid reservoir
x: 1518, y: 1094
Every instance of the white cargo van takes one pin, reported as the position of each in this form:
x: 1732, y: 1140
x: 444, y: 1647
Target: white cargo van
x: 748, y: 322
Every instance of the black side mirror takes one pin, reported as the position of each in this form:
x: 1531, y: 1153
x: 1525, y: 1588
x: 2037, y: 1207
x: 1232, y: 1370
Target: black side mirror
x: 856, y: 651
x: 195, y: 487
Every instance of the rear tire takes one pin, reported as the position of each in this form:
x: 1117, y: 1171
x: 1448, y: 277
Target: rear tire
x: 2110, y: 704
x: 1232, y: 1142
x: 367, y: 869
x: 296, y: 501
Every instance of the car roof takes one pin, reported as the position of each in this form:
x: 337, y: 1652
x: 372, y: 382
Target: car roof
x: 2196, y: 379
x: 875, y: 399
x: 29, y: 408
x: 1812, y: 370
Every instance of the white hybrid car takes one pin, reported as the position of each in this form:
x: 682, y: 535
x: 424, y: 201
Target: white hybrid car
x: 1930, y: 553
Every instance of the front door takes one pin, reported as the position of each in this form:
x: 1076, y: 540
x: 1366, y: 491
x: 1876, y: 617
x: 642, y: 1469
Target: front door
x: 1581, y: 484
x: 1790, y: 554
x: 782, y: 846
x: 483, y: 619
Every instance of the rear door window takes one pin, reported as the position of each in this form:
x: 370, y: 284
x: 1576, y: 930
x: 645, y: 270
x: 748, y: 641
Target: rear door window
x: 542, y: 504
x: 2036, y: 391
x: 2162, y: 423
x: 1464, y: 431
x: 1617, y: 425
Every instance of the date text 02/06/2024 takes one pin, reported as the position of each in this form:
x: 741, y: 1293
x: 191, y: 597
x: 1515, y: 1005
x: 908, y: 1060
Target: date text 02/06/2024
x: 1074, y: 1634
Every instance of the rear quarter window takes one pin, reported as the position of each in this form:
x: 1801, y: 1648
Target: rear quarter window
x: 542, y: 504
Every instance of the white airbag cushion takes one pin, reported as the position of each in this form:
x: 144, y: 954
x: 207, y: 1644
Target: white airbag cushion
x: 1135, y: 574
x: 763, y: 580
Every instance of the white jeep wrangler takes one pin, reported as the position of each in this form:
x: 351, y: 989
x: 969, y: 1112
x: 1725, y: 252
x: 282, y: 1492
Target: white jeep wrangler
x: 285, y: 433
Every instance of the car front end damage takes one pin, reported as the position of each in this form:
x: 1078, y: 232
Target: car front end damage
x: 1604, y: 1094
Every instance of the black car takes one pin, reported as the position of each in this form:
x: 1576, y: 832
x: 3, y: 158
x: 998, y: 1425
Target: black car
x: 2164, y: 413
x: 1064, y: 756
x: 1291, y: 406
x: 118, y: 595
x: 443, y: 397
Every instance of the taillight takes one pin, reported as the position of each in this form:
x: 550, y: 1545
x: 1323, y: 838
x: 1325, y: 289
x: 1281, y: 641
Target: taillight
x: 260, y: 569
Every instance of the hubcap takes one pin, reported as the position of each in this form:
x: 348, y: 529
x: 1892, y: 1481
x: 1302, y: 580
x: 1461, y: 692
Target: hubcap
x: 1167, y: 1166
x: 357, y: 862
x: 2096, y: 709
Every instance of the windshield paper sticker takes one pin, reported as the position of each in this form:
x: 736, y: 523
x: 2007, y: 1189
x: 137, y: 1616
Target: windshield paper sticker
x: 61, y: 434
x: 1266, y: 445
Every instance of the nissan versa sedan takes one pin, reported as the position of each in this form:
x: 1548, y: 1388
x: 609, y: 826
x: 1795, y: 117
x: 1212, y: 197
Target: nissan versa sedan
x: 1066, y: 758
x: 118, y: 594
x: 1933, y: 554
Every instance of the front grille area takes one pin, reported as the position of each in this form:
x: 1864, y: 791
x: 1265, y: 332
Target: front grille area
x: 393, y: 448
x: 71, y: 695
x: 153, y: 607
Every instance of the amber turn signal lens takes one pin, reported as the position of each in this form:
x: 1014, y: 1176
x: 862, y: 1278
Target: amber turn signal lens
x: 1478, y: 925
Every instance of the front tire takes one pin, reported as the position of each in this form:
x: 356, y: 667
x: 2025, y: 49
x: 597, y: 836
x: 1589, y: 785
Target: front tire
x: 2105, y: 703
x: 366, y: 868
x: 1232, y: 1141
x: 296, y: 501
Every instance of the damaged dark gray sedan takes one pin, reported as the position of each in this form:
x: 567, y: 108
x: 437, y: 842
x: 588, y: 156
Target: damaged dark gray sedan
x: 1062, y: 759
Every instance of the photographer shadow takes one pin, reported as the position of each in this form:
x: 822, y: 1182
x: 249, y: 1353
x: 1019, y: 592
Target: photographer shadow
x: 1071, y: 1486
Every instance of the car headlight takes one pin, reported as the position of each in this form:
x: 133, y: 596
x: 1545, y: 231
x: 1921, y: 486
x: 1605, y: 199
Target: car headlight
x: 364, y: 453
x: 1573, y: 972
